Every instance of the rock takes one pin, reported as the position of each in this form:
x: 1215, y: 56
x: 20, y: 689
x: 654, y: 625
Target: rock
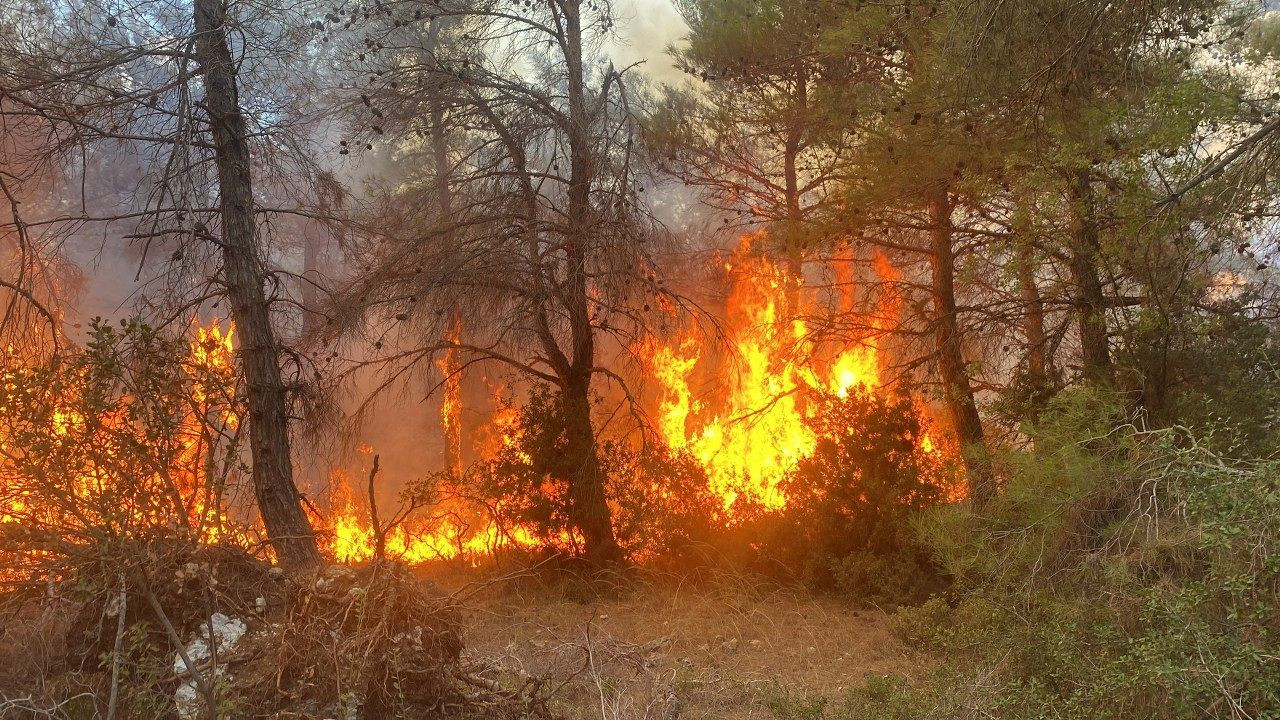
x: 187, y: 701
x: 226, y: 632
x: 221, y: 633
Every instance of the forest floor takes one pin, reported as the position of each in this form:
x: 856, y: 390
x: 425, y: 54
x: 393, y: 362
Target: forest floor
x: 660, y: 648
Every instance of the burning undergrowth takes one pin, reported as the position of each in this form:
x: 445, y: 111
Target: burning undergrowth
x: 126, y: 538
x: 756, y: 444
x: 763, y: 441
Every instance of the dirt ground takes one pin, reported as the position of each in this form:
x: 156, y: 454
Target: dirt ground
x: 663, y: 648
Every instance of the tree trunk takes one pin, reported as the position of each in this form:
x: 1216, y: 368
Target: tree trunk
x: 957, y: 392
x: 311, y: 319
x: 794, y: 246
x: 278, y: 501
x: 587, y: 502
x: 451, y: 400
x: 1039, y: 374
x: 1095, y: 353
x: 450, y: 367
x: 588, y: 505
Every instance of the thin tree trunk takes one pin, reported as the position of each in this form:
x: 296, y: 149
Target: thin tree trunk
x: 589, y: 507
x: 451, y: 401
x: 309, y: 283
x: 450, y: 367
x: 1039, y: 375
x: 794, y: 245
x: 1095, y: 353
x: 957, y: 392
x: 286, y: 524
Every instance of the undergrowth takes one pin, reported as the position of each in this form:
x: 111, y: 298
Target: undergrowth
x: 1121, y: 573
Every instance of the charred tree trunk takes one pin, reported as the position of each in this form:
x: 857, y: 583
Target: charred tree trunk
x: 957, y: 392
x: 587, y: 501
x: 278, y: 500
x: 794, y: 242
x: 450, y: 366
x: 451, y: 401
x: 1095, y: 352
x: 588, y: 505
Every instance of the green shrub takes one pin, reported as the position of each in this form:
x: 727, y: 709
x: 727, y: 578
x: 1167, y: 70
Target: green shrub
x: 1122, y: 573
x: 850, y: 506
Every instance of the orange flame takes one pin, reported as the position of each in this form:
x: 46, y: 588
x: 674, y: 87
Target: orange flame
x: 90, y: 468
x: 451, y: 402
x: 756, y: 427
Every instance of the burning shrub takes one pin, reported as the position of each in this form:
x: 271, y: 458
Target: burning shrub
x: 661, y: 503
x: 658, y: 498
x: 851, y: 503
x: 114, y: 465
x: 131, y: 441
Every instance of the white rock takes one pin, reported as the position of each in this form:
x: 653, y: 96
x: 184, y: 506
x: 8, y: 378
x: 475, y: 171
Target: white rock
x: 187, y: 701
x: 225, y: 633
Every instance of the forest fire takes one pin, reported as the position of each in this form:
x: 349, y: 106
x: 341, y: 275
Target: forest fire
x: 73, y: 460
x: 746, y: 435
x: 758, y: 423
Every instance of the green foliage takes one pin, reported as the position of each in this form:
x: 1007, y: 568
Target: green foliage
x: 1121, y: 574
x: 1225, y: 372
x: 848, y: 520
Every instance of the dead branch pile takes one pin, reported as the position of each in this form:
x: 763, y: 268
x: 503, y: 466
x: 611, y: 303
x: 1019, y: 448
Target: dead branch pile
x: 217, y: 628
x: 370, y: 642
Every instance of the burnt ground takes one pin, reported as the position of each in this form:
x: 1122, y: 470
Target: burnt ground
x: 662, y: 647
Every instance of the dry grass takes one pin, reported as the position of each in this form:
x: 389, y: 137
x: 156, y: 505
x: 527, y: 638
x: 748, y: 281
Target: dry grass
x: 662, y: 647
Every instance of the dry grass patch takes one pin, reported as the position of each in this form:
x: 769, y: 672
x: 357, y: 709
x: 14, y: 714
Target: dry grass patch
x: 663, y: 647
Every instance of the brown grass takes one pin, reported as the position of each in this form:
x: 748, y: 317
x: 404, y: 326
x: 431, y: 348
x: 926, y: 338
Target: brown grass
x: 724, y: 648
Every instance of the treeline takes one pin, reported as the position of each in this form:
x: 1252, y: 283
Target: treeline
x: 1075, y: 194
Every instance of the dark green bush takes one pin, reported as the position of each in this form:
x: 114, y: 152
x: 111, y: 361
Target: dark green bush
x: 847, y: 524
x: 1122, y: 573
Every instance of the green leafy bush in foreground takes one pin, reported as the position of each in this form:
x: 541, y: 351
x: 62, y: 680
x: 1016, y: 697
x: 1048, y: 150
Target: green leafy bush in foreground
x: 1121, y: 574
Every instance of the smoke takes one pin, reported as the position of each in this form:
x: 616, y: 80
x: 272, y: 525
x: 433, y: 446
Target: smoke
x: 646, y: 29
